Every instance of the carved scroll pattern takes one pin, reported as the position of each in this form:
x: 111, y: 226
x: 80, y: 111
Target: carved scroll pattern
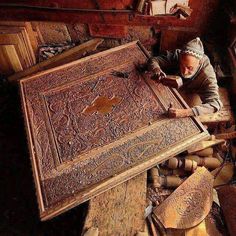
x: 116, y: 160
x: 33, y: 88
x: 77, y: 132
x: 63, y: 133
x: 189, y: 204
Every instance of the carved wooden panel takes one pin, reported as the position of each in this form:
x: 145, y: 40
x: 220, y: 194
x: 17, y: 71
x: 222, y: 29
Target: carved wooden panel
x: 189, y: 204
x: 89, y: 129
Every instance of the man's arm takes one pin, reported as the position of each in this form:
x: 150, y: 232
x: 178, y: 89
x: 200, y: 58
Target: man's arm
x: 210, y: 103
x: 166, y: 61
x: 209, y: 94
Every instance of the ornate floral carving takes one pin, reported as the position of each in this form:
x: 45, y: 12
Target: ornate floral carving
x: 74, y: 147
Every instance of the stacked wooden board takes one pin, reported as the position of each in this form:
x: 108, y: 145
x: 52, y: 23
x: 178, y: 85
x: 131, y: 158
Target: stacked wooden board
x: 17, y: 49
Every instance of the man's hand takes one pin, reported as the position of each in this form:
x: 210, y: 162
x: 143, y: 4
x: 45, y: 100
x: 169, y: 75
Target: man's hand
x: 159, y: 73
x: 178, y: 113
x: 155, y: 68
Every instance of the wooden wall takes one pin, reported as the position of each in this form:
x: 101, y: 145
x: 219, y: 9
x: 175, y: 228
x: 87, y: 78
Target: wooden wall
x: 67, y: 22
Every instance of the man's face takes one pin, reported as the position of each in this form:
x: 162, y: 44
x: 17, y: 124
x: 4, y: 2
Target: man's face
x: 188, y: 65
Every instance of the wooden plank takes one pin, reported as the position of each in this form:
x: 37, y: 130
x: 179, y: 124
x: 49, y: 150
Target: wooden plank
x: 204, y: 145
x: 119, y: 211
x: 90, y: 130
x: 60, y: 59
x: 5, y: 67
x: 12, y: 57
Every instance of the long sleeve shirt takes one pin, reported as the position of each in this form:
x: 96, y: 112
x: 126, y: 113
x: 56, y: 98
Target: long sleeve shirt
x: 203, y: 82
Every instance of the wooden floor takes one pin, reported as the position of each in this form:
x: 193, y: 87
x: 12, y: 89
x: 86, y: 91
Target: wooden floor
x: 119, y: 211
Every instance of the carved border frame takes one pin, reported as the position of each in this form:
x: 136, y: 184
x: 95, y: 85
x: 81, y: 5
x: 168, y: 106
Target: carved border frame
x: 103, y: 186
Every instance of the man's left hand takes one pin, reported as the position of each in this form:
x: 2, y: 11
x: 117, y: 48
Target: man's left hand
x: 178, y: 113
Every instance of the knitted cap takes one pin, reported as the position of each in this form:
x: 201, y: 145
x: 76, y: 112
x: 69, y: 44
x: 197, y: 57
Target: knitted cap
x: 194, y: 48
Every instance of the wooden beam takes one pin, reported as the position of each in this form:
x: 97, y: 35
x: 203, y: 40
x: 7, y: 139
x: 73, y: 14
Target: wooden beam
x: 72, y: 13
x: 111, y: 12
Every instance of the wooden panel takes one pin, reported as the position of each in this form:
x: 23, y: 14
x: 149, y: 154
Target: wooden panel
x: 90, y: 130
x: 15, y: 39
x: 52, y: 32
x: 189, y: 204
x: 113, y: 211
x: 108, y: 31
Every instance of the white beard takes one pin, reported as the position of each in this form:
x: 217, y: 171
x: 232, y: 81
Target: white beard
x: 189, y: 76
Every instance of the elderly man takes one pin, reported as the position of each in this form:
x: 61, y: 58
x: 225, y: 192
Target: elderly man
x: 197, y: 73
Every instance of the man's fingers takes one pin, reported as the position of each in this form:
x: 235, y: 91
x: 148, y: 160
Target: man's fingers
x: 157, y: 71
x: 163, y: 74
x: 172, y: 110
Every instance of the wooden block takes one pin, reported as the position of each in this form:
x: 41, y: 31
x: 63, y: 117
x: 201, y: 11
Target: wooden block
x: 224, y: 115
x: 60, y: 59
x: 120, y: 210
x: 90, y: 130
